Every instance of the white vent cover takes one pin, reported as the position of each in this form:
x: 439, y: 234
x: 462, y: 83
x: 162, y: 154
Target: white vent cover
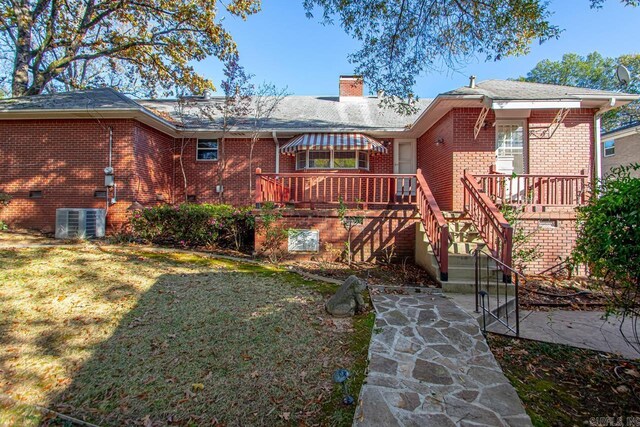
x: 80, y: 223
x: 304, y: 240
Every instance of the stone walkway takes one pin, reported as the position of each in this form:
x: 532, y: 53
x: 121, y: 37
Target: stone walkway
x: 584, y: 329
x: 430, y: 366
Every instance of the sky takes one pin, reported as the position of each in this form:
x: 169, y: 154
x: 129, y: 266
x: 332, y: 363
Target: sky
x: 282, y: 46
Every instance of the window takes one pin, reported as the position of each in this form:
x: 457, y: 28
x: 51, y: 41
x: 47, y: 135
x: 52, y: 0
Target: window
x: 344, y: 160
x: 319, y: 159
x: 301, y: 160
x: 363, y: 160
x: 609, y: 148
x: 100, y: 194
x: 207, y: 149
x: 510, y: 145
x: 36, y: 194
x: 332, y: 160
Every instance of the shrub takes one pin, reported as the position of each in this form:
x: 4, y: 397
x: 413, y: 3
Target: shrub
x: 274, y: 233
x: 609, y: 241
x: 4, y: 201
x: 192, y: 225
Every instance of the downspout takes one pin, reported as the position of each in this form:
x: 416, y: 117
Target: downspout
x: 598, y: 139
x: 274, y: 134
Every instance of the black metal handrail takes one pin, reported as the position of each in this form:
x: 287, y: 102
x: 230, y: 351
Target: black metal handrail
x: 505, y: 278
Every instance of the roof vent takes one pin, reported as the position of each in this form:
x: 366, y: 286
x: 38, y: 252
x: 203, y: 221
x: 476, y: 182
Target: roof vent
x: 206, y: 95
x: 472, y: 82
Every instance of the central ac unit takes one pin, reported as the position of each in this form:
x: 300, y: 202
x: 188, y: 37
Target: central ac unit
x: 80, y: 223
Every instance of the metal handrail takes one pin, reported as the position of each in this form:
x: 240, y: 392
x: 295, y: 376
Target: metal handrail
x: 514, y: 280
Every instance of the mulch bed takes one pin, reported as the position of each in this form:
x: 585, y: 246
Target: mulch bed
x: 566, y: 386
x: 544, y: 293
x: 375, y: 274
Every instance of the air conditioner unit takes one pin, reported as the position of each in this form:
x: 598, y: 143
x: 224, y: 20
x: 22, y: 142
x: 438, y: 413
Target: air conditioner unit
x: 80, y: 223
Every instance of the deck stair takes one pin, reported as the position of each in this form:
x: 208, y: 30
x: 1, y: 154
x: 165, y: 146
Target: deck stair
x: 464, y: 239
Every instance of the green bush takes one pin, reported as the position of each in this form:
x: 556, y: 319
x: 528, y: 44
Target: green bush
x: 609, y: 241
x: 193, y: 225
x: 4, y: 201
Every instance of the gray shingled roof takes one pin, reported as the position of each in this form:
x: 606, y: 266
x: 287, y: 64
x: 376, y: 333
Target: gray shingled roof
x: 301, y: 112
x: 623, y: 127
x: 102, y: 98
x: 516, y: 90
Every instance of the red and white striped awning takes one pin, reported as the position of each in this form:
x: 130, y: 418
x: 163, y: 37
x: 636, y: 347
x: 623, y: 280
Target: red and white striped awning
x: 333, y: 141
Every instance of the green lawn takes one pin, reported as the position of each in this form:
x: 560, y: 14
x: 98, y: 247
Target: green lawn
x: 123, y: 336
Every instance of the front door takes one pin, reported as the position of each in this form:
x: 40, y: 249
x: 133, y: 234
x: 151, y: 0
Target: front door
x: 404, y: 162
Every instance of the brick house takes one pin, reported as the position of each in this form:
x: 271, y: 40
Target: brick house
x: 416, y: 180
x: 621, y: 147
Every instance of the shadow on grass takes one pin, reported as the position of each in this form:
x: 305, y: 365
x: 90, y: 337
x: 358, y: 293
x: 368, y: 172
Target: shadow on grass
x: 235, y: 347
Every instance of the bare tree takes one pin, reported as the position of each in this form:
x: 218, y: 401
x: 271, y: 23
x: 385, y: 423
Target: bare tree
x: 230, y: 112
x: 266, y: 99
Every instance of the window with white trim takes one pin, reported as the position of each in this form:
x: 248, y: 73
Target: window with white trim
x: 301, y: 160
x: 609, y: 148
x: 207, y: 149
x: 317, y: 159
x: 510, y: 144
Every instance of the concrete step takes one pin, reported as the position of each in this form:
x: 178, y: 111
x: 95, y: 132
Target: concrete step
x: 468, y: 286
x: 468, y: 303
x: 464, y: 248
x: 465, y: 236
x: 454, y: 215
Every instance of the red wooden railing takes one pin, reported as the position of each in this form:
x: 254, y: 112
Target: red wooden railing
x: 318, y: 189
x: 435, y: 225
x: 530, y: 190
x: 365, y: 191
x: 268, y: 189
x: 491, y: 224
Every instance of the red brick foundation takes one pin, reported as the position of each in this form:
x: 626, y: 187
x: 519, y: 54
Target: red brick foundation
x: 381, y: 231
x: 555, y: 235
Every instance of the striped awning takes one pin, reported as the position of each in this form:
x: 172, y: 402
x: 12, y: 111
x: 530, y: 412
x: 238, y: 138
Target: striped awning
x: 333, y: 141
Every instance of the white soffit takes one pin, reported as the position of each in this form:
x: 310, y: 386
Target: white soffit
x: 533, y: 105
x: 512, y: 114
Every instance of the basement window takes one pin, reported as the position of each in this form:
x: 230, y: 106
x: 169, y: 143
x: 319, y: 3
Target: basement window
x: 36, y: 194
x: 191, y: 198
x: 100, y: 194
x: 207, y: 150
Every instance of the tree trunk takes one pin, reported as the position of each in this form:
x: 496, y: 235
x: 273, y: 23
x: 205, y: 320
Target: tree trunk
x: 20, y: 76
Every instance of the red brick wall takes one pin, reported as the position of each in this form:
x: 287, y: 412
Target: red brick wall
x: 153, y: 152
x: 569, y: 150
x: 202, y: 176
x: 381, y: 229
x: 554, y: 242
x: 65, y: 160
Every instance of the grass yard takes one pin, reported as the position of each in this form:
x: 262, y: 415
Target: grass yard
x: 567, y: 386
x: 117, y: 337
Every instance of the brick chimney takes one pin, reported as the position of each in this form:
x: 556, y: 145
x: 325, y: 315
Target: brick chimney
x: 351, y: 87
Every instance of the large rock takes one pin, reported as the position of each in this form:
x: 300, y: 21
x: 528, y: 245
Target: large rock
x: 348, y: 300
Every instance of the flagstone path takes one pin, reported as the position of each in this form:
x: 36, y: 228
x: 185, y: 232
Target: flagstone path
x: 429, y: 365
